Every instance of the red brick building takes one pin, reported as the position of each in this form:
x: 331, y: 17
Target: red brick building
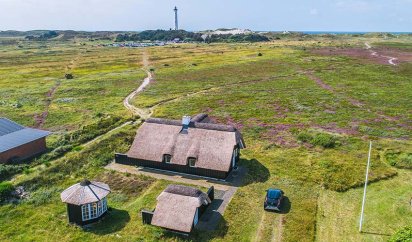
x: 20, y: 143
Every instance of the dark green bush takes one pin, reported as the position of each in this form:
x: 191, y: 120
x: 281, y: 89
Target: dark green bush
x: 5, y: 190
x: 399, y: 159
x: 319, y: 139
x: 325, y: 140
x: 402, y: 235
x: 305, y: 137
x: 6, y: 171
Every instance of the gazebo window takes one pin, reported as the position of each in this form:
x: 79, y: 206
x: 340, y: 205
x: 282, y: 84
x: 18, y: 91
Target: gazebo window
x: 192, y: 161
x: 167, y: 158
x: 94, y: 210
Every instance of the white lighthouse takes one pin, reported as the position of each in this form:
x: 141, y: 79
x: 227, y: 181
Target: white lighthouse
x: 176, y: 22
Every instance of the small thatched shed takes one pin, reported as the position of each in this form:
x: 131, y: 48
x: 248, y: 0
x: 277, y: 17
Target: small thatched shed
x: 193, y: 145
x: 86, y: 201
x: 179, y: 208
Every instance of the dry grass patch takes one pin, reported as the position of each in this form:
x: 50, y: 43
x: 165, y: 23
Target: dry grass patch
x: 129, y: 184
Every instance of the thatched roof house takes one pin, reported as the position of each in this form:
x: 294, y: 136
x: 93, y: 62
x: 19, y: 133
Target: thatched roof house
x: 179, y: 208
x: 18, y: 142
x: 86, y: 201
x: 193, y: 145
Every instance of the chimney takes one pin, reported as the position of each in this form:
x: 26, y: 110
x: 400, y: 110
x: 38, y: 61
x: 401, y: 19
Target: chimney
x: 185, y: 124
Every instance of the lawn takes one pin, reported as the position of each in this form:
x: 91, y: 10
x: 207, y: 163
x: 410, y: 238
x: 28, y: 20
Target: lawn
x: 306, y: 118
x: 387, y: 208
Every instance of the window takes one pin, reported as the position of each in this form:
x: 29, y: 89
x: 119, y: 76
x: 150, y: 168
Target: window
x: 167, y: 158
x: 192, y: 161
x: 94, y: 210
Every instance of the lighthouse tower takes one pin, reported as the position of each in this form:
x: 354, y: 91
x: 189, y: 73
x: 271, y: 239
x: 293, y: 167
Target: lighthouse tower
x: 176, y: 23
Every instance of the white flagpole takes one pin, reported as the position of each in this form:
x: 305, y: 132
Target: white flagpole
x: 364, y: 189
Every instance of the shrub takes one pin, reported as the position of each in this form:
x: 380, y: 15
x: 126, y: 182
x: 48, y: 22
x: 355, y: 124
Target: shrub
x: 56, y: 153
x: 118, y: 198
x: 7, y: 171
x: 402, y: 235
x: 5, y: 190
x: 399, y: 159
x: 42, y: 196
x: 80, y: 163
x: 319, y: 139
x: 325, y: 140
x: 305, y: 137
x: 68, y: 76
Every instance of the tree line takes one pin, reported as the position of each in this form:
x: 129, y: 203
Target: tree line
x: 186, y: 36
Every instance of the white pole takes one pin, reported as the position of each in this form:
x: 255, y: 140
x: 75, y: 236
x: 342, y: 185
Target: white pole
x: 364, y: 189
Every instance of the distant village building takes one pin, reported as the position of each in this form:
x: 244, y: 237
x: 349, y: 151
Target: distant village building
x: 86, y: 201
x: 19, y: 143
x: 194, y: 146
x: 179, y: 208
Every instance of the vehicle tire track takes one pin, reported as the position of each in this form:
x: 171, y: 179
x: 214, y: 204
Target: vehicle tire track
x: 270, y: 227
x: 40, y: 118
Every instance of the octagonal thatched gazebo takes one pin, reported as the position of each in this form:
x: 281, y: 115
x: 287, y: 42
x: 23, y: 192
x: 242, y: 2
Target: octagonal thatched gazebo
x: 86, y: 201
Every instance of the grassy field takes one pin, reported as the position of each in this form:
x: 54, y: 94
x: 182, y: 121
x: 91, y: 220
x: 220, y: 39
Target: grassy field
x: 30, y: 74
x: 306, y: 118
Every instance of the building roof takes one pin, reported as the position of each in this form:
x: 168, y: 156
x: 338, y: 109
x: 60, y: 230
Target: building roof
x: 85, y: 192
x: 211, y: 144
x: 176, y: 207
x: 13, y: 135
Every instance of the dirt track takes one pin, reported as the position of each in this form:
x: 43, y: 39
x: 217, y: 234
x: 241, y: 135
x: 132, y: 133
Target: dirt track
x: 391, y: 60
x: 378, y: 55
x: 144, y: 113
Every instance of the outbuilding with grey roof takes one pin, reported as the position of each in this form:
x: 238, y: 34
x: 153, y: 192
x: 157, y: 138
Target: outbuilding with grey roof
x: 20, y: 143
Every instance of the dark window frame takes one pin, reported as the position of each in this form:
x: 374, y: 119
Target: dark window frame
x: 191, y: 159
x: 167, y: 158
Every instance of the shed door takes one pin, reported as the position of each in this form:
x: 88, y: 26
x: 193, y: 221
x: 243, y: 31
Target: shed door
x: 196, y: 217
x: 234, y: 157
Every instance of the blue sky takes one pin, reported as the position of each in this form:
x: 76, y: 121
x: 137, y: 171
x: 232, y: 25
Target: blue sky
x: 317, y: 15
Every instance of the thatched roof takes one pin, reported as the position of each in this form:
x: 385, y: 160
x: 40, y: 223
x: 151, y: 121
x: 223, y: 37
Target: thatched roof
x: 189, y: 192
x: 85, y: 192
x: 211, y: 144
x: 176, y: 207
